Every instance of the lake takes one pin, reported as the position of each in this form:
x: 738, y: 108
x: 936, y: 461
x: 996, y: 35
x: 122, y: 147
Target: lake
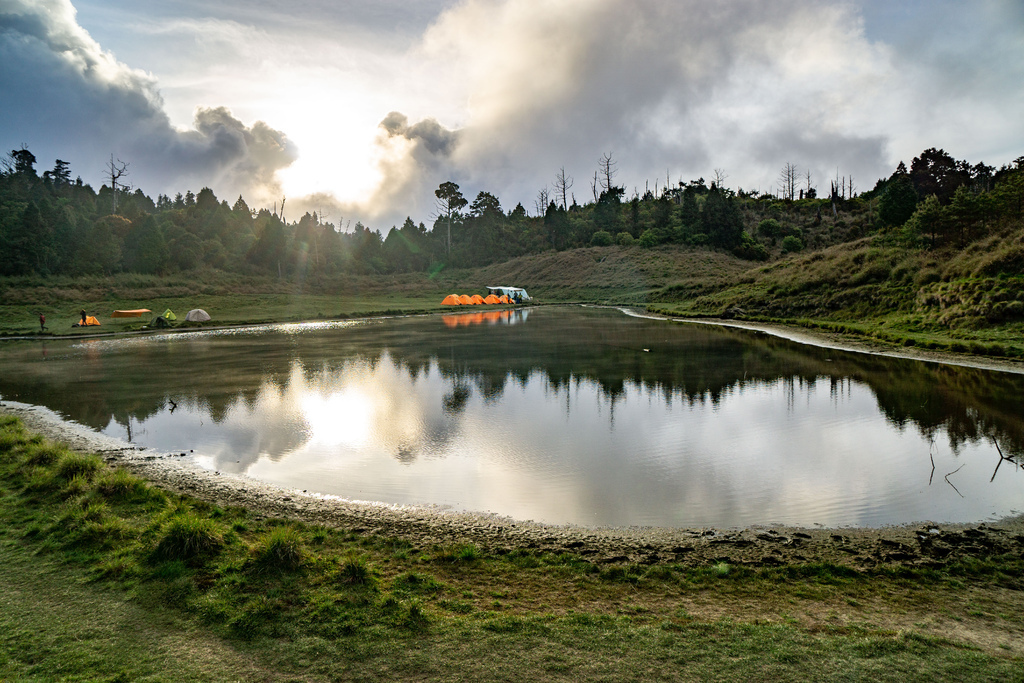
x: 556, y: 414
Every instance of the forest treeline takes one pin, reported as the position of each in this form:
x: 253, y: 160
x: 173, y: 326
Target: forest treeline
x: 52, y: 224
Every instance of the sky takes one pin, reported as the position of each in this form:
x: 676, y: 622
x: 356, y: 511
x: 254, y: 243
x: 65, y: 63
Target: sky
x: 359, y: 110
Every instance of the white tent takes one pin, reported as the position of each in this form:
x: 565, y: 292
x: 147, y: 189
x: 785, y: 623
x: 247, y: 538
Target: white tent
x: 197, y: 315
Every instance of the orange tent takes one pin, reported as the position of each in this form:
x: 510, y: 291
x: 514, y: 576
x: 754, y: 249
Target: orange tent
x: 91, y: 320
x: 465, y: 300
x: 504, y: 299
x: 133, y: 313
x: 451, y: 300
x: 477, y: 299
x: 491, y: 299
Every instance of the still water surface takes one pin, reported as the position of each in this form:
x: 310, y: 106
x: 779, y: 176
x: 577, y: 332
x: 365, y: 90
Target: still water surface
x: 561, y: 415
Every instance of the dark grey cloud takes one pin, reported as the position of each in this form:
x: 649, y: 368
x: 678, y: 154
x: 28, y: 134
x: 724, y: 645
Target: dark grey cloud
x: 65, y: 97
x: 437, y: 140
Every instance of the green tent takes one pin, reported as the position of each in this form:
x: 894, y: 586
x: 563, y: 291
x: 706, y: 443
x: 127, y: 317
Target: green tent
x: 169, y: 315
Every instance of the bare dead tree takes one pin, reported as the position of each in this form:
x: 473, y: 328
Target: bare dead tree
x: 594, y: 186
x: 608, y: 171
x: 787, y: 180
x: 563, y: 183
x: 116, y: 171
x: 719, y: 177
x: 807, y: 176
x: 542, y: 201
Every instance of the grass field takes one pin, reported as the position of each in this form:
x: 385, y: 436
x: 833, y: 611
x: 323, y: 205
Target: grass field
x: 105, y: 577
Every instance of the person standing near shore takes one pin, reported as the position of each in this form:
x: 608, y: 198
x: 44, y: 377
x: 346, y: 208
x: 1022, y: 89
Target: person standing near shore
x: 42, y: 322
x: 83, y: 317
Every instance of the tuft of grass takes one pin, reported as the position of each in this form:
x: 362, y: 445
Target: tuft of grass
x: 187, y: 536
x: 415, y: 619
x: 356, y: 570
x: 120, y: 485
x: 459, y: 552
x: 281, y: 550
x: 43, y: 454
x: 319, y: 535
x: 414, y: 582
x: 71, y: 465
x: 253, y: 617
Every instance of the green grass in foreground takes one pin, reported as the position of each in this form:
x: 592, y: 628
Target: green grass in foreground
x: 104, y: 577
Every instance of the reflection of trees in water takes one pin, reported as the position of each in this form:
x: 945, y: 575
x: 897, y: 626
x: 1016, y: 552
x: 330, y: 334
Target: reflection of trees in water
x: 454, y: 402
x: 692, y: 363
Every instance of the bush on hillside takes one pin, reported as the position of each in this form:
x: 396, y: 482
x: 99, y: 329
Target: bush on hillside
x: 750, y: 249
x: 792, y: 244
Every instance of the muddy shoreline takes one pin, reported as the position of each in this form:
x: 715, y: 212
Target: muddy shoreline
x: 923, y: 544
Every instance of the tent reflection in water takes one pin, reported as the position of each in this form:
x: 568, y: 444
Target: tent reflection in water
x: 197, y: 315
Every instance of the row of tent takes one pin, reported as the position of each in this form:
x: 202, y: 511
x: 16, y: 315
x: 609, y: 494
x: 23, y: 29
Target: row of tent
x: 476, y: 299
x: 197, y: 315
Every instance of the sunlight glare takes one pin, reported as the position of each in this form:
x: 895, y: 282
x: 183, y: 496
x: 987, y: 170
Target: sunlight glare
x: 343, y: 418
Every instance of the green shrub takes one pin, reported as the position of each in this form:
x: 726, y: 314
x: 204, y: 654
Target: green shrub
x: 601, y: 238
x: 791, y: 244
x: 624, y: 239
x: 750, y: 249
x: 648, y: 239
x: 770, y: 227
